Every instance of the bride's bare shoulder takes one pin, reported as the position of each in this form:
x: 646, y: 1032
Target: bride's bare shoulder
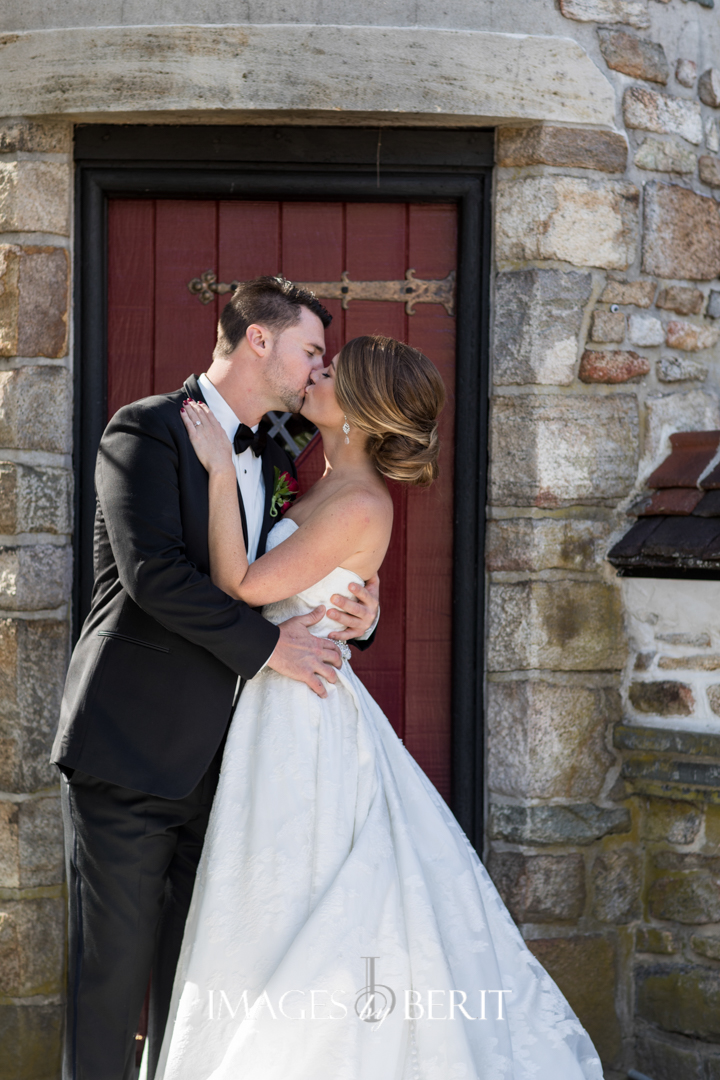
x: 366, y: 498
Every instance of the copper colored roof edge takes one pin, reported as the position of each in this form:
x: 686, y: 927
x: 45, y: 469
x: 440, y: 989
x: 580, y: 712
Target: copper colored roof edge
x: 692, y: 452
x: 673, y: 501
x: 695, y: 439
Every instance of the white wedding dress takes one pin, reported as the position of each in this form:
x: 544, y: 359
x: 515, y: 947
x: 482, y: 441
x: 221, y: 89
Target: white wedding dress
x: 328, y: 845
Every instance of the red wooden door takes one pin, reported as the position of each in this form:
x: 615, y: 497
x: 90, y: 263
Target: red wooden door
x: 158, y: 333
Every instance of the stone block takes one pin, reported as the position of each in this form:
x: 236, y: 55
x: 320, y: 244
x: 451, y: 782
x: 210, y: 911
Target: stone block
x: 676, y: 822
x: 33, y: 661
x: 580, y: 824
x: 713, y: 696
x: 690, y: 336
x: 665, y: 1061
x: 612, y: 366
x: 662, y: 698
x: 8, y: 497
x: 670, y: 156
x: 712, y: 134
x: 689, y: 890
x: 43, y: 302
x: 32, y: 946
x: 9, y: 298
x: 35, y: 197
x: 649, y: 110
x: 634, y: 56
x: 561, y: 625
x: 582, y: 222
x: 651, y: 939
x: 31, y: 843
x: 682, y: 299
x: 575, y: 148
x: 683, y: 998
x: 709, y: 87
x: 706, y: 946
x: 36, y: 409
x: 712, y: 829
x: 608, y: 326
x: 35, y: 499
x: 700, y: 640
x: 631, y: 12
x: 709, y: 168
x: 569, y: 961
x: 547, y: 741
x: 35, y: 578
x: 639, y: 293
x: 646, y: 330
x: 538, y: 315
x: 30, y: 1041
x: 617, y: 881
x: 703, y: 662
x: 686, y: 73
x: 539, y: 888
x: 35, y: 136
x: 545, y: 544
x: 556, y: 451
x: 713, y: 309
x: 682, y: 233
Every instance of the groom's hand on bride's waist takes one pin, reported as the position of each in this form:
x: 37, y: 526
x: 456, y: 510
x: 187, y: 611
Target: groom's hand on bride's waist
x: 356, y: 615
x: 303, y: 657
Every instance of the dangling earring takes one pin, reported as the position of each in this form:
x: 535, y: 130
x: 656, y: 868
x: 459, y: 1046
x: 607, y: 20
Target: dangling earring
x: 346, y: 429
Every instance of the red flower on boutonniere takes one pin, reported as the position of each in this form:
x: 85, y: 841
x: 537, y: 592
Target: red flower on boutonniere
x: 285, y: 489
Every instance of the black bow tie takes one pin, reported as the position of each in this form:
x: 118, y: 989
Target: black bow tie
x: 246, y: 438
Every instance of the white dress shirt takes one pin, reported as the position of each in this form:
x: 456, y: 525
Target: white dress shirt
x: 247, y: 467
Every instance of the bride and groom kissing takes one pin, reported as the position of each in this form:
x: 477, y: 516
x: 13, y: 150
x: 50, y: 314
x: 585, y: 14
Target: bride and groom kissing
x: 246, y: 846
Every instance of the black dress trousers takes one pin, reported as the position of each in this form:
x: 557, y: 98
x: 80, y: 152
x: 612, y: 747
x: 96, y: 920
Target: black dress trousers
x: 131, y: 862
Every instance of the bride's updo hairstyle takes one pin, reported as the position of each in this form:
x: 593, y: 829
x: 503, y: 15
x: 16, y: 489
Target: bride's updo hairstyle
x: 394, y: 394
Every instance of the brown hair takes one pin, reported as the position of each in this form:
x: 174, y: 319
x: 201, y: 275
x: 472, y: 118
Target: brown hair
x: 273, y: 302
x: 394, y: 394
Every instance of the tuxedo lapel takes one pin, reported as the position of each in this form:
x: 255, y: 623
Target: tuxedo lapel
x: 268, y: 471
x: 193, y: 390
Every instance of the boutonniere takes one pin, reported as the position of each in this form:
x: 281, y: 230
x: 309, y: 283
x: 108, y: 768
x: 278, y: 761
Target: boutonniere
x: 285, y: 489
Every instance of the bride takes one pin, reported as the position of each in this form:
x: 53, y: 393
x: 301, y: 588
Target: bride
x: 342, y: 927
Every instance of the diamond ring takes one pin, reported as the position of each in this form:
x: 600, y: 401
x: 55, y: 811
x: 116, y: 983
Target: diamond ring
x: 198, y: 424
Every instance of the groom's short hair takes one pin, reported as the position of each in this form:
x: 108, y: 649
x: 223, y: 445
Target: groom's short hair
x: 273, y: 302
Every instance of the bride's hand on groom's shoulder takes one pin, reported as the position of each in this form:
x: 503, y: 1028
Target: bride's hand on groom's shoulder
x: 208, y: 439
x: 356, y: 615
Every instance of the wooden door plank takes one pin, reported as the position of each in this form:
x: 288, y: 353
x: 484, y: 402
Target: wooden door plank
x: 313, y: 249
x: 131, y: 300
x: 248, y: 241
x: 376, y: 250
x: 432, y: 252
x: 186, y: 245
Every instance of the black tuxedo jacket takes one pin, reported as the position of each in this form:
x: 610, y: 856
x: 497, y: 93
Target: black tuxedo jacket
x: 151, y: 682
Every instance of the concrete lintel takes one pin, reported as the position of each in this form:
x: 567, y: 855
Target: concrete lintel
x: 327, y: 73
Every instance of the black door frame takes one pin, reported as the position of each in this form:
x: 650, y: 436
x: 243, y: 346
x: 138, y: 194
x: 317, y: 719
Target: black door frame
x: 423, y: 165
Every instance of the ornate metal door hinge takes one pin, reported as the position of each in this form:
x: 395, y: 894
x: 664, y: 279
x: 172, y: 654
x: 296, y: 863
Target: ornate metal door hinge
x: 411, y: 291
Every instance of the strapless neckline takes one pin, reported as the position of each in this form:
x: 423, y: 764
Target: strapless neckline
x: 278, y: 539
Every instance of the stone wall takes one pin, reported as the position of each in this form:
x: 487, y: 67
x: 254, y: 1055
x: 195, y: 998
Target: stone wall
x: 35, y: 582
x: 604, y: 799
x: 604, y: 762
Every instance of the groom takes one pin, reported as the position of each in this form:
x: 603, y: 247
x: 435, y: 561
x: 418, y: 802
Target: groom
x: 152, y: 680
